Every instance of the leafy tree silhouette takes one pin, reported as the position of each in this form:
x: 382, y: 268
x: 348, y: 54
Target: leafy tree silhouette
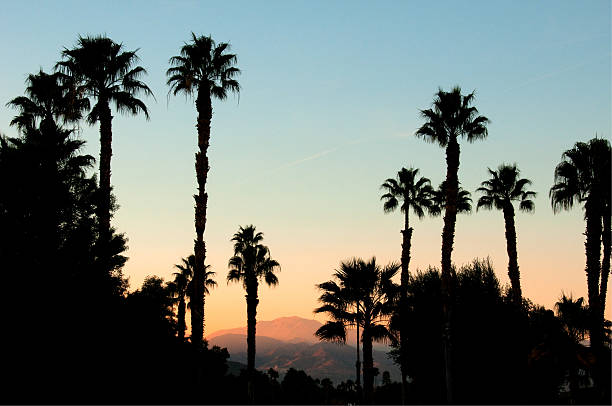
x: 49, y: 231
x: 504, y: 187
x: 250, y: 264
x: 205, y: 68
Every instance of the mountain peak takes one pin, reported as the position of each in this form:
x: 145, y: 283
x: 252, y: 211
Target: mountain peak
x: 294, y: 329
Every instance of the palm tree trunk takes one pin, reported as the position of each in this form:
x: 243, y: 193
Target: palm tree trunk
x: 593, y: 249
x: 252, y: 302
x: 405, y: 277
x: 181, y: 319
x: 368, y: 367
x: 106, y: 152
x: 448, y: 236
x: 513, y: 268
x: 605, y: 263
x: 204, y: 107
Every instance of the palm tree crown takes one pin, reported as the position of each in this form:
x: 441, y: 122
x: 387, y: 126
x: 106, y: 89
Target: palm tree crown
x: 47, y: 99
x: 203, y: 64
x: 101, y: 69
x: 412, y: 192
x: 251, y: 260
x: 504, y: 187
x: 583, y: 174
x: 452, y: 116
x: 464, y: 200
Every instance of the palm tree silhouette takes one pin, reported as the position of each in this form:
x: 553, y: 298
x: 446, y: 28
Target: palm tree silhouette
x: 182, y: 288
x: 451, y: 117
x: 99, y: 68
x: 204, y: 68
x: 361, y: 295
x: 464, y: 200
x: 47, y: 102
x: 250, y: 264
x: 416, y: 194
x: 500, y: 191
x: 583, y: 176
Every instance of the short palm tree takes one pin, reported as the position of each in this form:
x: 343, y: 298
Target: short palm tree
x: 464, y: 200
x: 583, y: 176
x: 48, y: 101
x: 99, y: 68
x: 203, y: 68
x: 361, y: 295
x: 500, y: 191
x: 250, y: 264
x: 452, y: 116
x: 414, y: 193
x: 183, y: 288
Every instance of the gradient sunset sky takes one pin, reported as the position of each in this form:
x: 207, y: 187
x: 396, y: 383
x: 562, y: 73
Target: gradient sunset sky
x: 330, y: 101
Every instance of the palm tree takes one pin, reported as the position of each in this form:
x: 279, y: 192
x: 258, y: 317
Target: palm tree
x: 250, y: 264
x: 99, y: 68
x: 438, y: 199
x: 47, y: 102
x: 451, y: 117
x: 606, y: 226
x: 416, y: 194
x: 47, y: 105
x: 500, y: 191
x: 361, y: 295
x: 204, y: 68
x: 581, y: 177
x: 183, y: 288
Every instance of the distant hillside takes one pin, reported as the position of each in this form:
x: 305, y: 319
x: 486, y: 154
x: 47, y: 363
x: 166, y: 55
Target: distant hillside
x: 318, y: 359
x: 292, y: 329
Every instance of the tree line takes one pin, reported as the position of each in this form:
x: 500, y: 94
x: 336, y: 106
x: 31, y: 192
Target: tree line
x: 75, y: 330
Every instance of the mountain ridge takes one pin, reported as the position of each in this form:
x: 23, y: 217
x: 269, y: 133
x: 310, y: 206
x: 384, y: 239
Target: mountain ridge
x: 299, y: 349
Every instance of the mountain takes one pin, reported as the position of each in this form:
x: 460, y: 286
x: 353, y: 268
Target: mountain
x: 297, y: 350
x: 292, y: 329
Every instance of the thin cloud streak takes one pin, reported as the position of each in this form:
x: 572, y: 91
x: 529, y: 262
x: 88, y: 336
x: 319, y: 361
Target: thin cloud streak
x: 554, y: 73
x: 309, y: 158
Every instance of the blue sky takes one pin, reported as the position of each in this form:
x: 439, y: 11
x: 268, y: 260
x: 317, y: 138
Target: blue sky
x: 328, y: 108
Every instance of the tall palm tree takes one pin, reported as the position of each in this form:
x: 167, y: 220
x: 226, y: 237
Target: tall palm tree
x: 606, y: 215
x: 250, y: 264
x: 583, y: 176
x: 361, y: 295
x: 203, y: 68
x: 183, y: 288
x: 416, y: 194
x: 98, y: 68
x: 500, y: 191
x: 452, y: 116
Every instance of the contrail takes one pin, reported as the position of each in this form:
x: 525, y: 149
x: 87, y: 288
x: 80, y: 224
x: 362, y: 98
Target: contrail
x: 553, y: 73
x: 312, y: 157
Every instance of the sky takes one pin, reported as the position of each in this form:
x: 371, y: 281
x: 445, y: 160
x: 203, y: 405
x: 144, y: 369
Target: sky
x: 329, y: 103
